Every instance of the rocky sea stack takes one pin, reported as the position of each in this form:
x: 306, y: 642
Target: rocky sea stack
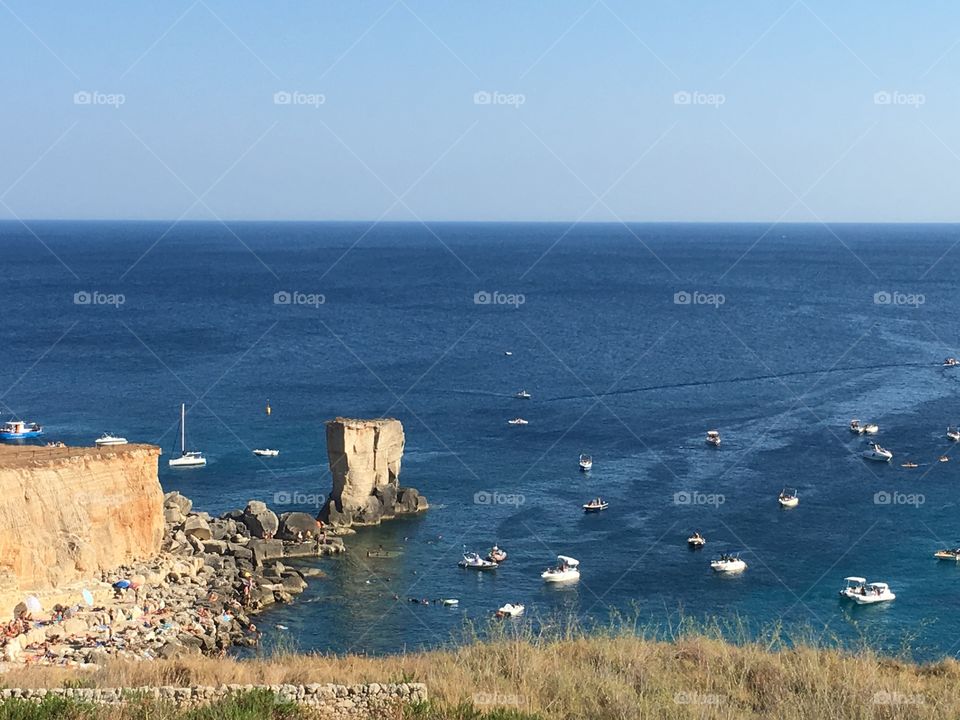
x: 364, y: 457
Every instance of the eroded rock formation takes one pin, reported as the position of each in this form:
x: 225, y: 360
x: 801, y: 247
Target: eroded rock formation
x: 364, y: 457
x: 69, y: 513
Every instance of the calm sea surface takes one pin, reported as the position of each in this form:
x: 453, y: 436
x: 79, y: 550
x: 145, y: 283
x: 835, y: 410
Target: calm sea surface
x: 789, y: 333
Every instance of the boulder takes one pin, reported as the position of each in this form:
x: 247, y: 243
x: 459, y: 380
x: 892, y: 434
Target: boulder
x: 407, y: 500
x: 264, y: 550
x: 370, y: 513
x: 196, y: 527
x: 333, y: 515
x: 176, y: 500
x: 294, y: 523
x: 172, y: 516
x: 260, y: 520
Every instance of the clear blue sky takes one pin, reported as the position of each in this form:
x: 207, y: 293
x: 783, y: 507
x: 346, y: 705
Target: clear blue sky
x: 398, y: 118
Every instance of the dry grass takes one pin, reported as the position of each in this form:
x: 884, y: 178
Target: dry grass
x: 615, y: 674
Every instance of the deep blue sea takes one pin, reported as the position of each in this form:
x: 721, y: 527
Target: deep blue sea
x: 789, y: 333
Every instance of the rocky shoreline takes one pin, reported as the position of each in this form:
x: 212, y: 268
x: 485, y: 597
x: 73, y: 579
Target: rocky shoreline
x: 199, y: 595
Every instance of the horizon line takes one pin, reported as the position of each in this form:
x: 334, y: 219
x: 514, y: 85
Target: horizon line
x: 222, y: 221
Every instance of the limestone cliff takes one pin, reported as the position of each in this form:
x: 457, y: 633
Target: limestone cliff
x: 364, y: 457
x: 67, y: 514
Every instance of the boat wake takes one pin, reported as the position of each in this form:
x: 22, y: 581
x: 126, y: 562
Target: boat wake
x: 751, y: 378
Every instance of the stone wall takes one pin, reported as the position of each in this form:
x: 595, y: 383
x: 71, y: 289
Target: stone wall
x: 68, y: 514
x: 365, y: 457
x: 332, y: 701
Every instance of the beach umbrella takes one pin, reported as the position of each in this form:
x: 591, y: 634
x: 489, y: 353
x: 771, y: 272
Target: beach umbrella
x: 33, y: 603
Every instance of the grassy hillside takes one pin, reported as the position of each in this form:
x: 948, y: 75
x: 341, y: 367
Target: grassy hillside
x: 515, y: 674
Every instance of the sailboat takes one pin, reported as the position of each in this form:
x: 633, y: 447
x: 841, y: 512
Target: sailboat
x: 187, y: 458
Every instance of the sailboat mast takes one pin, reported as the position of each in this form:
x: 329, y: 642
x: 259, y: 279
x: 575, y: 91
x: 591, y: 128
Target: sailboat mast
x: 183, y: 428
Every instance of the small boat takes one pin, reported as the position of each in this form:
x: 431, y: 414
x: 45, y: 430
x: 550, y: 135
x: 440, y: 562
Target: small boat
x: 953, y: 433
x: 19, y: 430
x: 728, y: 563
x: 108, y: 439
x: 187, y: 458
x: 877, y: 453
x: 788, y: 498
x: 586, y: 462
x: 496, y: 555
x: 381, y: 554
x: 696, y: 541
x: 473, y: 561
x: 951, y: 362
x: 948, y: 554
x: 863, y: 428
x: 864, y: 593
x: 943, y: 458
x: 518, y: 421
x: 448, y: 602
x: 565, y: 571
x: 522, y: 395
x: 713, y: 438
x: 596, y: 505
x: 909, y: 465
x: 510, y: 610
x: 266, y: 453
x: 507, y: 353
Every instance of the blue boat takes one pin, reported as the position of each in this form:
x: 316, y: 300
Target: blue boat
x: 19, y: 430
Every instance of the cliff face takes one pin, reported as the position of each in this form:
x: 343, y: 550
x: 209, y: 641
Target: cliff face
x: 67, y: 514
x: 364, y: 457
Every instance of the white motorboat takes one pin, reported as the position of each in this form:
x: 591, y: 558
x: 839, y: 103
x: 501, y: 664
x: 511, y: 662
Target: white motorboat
x: 951, y: 362
x: 863, y: 428
x: 864, y: 593
x: 449, y: 602
x: 728, y: 563
x: 496, y: 554
x: 510, y: 610
x: 473, y: 561
x: 696, y: 541
x: 108, y: 439
x: 518, y: 421
x: 522, y: 395
x: 877, y: 453
x: 507, y: 353
x: 567, y: 570
x: 953, y: 433
x: 948, y: 554
x: 586, y: 462
x: 266, y: 453
x: 788, y: 498
x: 596, y: 505
x: 187, y: 458
x: 713, y: 438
